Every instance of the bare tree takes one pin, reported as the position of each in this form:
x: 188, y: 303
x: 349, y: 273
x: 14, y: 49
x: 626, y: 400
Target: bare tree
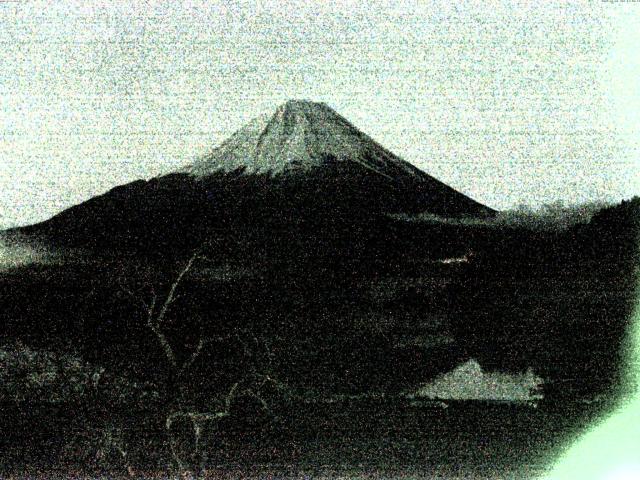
x: 156, y: 309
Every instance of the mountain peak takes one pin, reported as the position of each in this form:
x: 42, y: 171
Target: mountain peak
x: 299, y: 135
x: 313, y: 144
x: 299, y: 105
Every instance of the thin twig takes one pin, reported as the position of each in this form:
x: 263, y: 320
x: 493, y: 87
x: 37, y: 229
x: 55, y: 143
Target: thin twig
x: 166, y: 346
x: 172, y: 291
x: 194, y: 356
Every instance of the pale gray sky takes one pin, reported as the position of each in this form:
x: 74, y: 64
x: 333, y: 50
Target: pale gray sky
x: 509, y: 102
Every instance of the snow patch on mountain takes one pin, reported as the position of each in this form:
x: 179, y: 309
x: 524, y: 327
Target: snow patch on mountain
x: 470, y: 382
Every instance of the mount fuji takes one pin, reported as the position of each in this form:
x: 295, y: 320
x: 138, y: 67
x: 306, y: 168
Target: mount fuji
x: 303, y: 161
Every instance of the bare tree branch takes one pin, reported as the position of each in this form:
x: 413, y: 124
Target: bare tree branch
x: 230, y: 396
x: 174, y: 286
x: 152, y: 306
x: 194, y: 356
x: 262, y: 401
x: 205, y: 416
x: 166, y: 346
x: 154, y: 321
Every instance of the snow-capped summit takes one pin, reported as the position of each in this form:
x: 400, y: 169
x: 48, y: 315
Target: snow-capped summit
x: 311, y: 144
x: 299, y: 136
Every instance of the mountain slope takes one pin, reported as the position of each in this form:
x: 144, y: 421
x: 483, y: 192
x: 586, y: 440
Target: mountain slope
x: 308, y: 142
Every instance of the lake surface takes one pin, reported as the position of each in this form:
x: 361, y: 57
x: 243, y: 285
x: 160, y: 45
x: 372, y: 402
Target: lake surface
x: 371, y: 438
x: 392, y: 439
